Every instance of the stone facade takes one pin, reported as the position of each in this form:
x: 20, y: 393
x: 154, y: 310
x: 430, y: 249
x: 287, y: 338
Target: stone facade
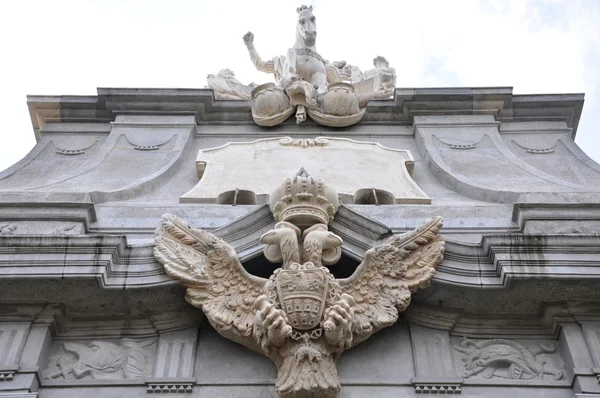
x: 514, y: 308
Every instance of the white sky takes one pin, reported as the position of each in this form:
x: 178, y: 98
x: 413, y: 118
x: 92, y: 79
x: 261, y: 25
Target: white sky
x: 71, y: 47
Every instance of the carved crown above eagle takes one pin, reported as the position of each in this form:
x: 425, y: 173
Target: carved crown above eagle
x: 304, y: 201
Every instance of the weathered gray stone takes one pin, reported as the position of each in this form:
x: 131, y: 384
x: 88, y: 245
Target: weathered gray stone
x: 521, y: 266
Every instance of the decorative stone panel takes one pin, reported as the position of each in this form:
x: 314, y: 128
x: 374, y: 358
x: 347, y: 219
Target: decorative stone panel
x: 356, y: 168
x: 508, y: 359
x: 101, y: 359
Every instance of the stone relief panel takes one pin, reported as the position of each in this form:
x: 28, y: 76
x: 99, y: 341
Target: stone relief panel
x: 125, y: 152
x: 467, y: 159
x: 142, y: 149
x: 53, y: 159
x: 361, y: 170
x: 507, y: 359
x: 555, y: 157
x: 483, y: 163
x: 101, y: 359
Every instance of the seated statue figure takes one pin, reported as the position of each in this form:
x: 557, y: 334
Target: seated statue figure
x: 227, y: 87
x: 387, y: 77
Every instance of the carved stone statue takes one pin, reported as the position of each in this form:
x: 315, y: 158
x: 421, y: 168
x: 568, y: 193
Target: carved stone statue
x: 227, y: 87
x: 349, y: 72
x: 302, y: 317
x: 386, y: 75
x: 332, y: 94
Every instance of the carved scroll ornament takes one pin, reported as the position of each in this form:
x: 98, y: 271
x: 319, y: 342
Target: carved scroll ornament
x: 302, y: 317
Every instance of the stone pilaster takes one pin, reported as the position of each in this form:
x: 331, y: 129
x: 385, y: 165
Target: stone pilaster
x: 434, y: 369
x: 175, y: 359
x: 576, y: 352
x: 24, y: 341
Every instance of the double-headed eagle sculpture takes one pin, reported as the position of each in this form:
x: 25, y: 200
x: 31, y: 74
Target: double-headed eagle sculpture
x: 302, y: 317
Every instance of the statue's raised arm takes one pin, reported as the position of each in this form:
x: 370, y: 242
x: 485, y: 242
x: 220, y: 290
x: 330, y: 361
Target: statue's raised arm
x: 259, y: 64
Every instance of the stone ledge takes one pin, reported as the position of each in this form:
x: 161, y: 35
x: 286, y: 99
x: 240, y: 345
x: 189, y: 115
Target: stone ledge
x: 92, y: 383
x: 437, y: 389
x: 115, y: 263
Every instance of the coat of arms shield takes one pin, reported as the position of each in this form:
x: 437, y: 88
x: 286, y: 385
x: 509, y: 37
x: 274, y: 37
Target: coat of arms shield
x: 302, y: 295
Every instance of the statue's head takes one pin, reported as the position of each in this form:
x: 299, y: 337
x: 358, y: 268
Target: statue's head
x: 381, y: 62
x: 225, y: 73
x: 307, y: 25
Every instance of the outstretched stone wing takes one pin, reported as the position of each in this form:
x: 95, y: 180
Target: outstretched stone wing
x: 383, y: 282
x: 213, y: 275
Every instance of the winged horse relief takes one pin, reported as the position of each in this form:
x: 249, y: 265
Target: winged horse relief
x: 333, y: 94
x: 302, y: 317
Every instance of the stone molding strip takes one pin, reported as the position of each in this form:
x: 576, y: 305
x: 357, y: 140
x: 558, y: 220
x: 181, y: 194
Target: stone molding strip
x: 498, y: 259
x: 545, y: 324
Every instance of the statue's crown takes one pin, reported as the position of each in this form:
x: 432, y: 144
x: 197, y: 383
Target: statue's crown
x: 304, y: 201
x: 302, y: 8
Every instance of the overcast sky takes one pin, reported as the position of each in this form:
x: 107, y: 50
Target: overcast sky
x: 72, y: 47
